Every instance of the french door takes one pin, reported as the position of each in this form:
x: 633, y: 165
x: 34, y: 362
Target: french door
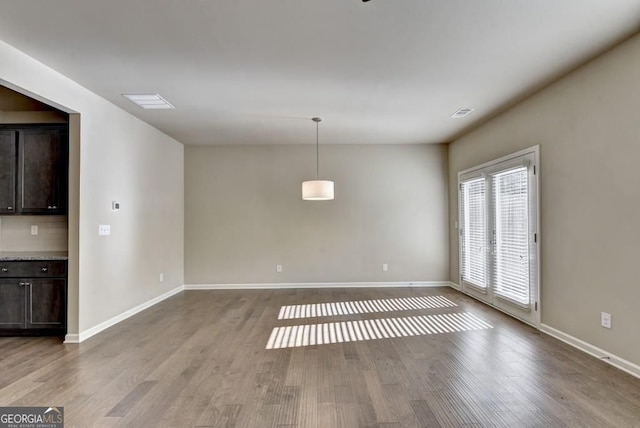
x: 498, y: 228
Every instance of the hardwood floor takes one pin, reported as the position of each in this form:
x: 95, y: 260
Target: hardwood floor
x: 198, y: 359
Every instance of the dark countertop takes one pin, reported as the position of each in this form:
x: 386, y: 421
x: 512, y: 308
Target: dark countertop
x: 7, y: 256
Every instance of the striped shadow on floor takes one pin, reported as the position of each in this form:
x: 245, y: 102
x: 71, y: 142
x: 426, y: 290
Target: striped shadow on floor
x: 370, y: 329
x: 313, y: 310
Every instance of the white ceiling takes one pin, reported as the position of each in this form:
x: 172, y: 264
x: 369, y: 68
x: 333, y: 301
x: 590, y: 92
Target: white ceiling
x: 256, y: 71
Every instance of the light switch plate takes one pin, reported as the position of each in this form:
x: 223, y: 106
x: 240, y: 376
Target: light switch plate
x: 34, y: 229
x: 605, y: 320
x: 104, y: 229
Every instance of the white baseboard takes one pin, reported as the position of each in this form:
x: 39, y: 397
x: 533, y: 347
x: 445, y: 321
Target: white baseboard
x: 601, y: 354
x: 271, y: 286
x: 77, y: 338
x: 455, y: 286
x: 72, y: 338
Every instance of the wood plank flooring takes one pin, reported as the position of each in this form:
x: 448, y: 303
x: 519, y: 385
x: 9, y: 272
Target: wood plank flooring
x: 198, y: 359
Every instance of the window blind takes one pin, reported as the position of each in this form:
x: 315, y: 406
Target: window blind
x: 474, y: 239
x: 511, y: 235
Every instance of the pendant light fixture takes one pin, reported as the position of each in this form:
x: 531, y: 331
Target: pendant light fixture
x: 317, y: 190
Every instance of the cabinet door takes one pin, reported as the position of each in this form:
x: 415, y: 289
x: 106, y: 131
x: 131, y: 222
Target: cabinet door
x: 12, y: 304
x: 43, y: 172
x: 8, y: 160
x: 46, y: 303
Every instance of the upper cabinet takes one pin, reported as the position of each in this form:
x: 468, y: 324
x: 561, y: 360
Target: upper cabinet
x: 36, y: 177
x: 8, y: 171
x: 42, y: 171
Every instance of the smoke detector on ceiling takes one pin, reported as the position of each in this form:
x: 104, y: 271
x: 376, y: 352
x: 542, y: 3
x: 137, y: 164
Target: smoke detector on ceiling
x: 461, y: 113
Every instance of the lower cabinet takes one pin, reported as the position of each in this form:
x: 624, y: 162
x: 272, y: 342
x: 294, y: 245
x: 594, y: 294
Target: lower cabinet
x: 33, y: 304
x: 12, y: 304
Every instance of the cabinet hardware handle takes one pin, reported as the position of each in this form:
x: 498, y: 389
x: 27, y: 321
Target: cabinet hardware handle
x: 49, y: 207
x: 5, y: 270
x: 10, y: 208
x: 22, y: 284
x: 44, y: 269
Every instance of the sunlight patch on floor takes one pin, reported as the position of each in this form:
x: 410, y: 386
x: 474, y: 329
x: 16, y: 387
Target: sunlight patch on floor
x: 313, y: 310
x: 384, y: 328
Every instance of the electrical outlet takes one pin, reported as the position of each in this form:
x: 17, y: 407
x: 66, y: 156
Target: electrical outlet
x: 279, y: 268
x: 104, y: 229
x: 34, y: 229
x: 605, y: 320
x: 385, y: 267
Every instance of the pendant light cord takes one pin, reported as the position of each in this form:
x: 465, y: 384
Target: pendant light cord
x: 317, y: 151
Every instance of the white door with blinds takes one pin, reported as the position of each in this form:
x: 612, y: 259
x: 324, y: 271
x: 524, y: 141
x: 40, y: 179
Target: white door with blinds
x: 498, y: 234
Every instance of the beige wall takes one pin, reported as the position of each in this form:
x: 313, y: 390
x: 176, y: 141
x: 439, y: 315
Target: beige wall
x: 12, y: 101
x: 15, y: 233
x: 244, y: 214
x: 588, y: 128
x: 118, y: 158
x: 15, y: 117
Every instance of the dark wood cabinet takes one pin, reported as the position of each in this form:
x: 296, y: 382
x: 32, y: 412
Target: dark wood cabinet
x: 8, y: 171
x: 33, y: 297
x: 42, y: 171
x: 35, y: 180
x: 46, y: 304
x: 12, y: 304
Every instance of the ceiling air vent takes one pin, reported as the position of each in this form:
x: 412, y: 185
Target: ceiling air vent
x: 149, y: 101
x: 461, y: 113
